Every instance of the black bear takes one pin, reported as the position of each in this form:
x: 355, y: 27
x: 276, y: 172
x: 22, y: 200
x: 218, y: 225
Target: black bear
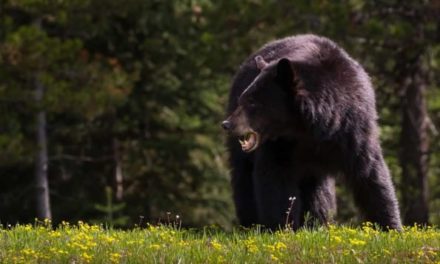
x: 302, y: 111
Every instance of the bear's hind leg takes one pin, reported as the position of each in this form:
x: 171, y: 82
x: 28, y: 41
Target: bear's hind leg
x: 374, y: 191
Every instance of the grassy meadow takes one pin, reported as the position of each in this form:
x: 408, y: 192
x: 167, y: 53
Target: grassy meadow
x: 84, y: 243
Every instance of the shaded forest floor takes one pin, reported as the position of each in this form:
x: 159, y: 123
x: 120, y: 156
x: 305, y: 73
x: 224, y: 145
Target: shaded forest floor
x: 84, y: 243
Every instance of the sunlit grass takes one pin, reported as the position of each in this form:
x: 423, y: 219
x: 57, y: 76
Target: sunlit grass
x: 84, y: 243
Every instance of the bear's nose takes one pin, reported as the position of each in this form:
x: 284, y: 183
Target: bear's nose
x: 226, y: 125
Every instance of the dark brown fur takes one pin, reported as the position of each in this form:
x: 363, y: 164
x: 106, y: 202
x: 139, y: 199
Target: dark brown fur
x: 314, y: 108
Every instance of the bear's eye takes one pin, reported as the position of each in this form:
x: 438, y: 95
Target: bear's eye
x: 252, y: 107
x: 251, y: 103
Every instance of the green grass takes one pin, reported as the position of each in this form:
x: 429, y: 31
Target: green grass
x: 83, y: 243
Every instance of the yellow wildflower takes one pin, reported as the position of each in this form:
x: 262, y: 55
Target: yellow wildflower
x: 216, y: 245
x: 29, y: 252
x: 250, y: 245
x: 62, y: 252
x: 115, y: 257
x: 54, y: 234
x: 271, y: 248
x: 280, y: 246
x: 336, y: 239
x: 155, y: 246
x: 108, y: 239
x: 357, y: 242
x: 274, y: 258
x: 86, y: 257
x: 183, y: 243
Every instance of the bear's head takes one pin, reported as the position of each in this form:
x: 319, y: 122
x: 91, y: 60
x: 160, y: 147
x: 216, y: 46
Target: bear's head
x: 265, y: 108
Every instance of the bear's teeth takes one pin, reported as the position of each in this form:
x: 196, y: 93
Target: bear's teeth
x: 248, y: 141
x: 242, y: 140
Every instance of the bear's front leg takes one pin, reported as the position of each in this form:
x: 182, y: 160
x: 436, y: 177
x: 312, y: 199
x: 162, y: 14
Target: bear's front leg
x: 274, y: 184
x: 319, y: 196
x: 242, y: 185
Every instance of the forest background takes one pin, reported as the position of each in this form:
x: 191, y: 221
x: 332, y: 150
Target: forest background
x: 110, y: 110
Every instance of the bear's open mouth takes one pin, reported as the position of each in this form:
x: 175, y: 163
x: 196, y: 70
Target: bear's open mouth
x: 249, y: 141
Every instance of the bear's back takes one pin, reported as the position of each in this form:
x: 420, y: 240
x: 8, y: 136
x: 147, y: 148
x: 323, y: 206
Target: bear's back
x: 310, y: 48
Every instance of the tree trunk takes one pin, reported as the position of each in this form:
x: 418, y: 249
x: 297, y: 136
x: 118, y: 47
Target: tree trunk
x: 118, y: 170
x: 414, y: 148
x: 42, y: 188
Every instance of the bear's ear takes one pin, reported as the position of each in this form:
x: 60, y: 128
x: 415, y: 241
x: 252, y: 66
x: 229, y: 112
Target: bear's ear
x: 285, y: 73
x: 289, y: 78
x: 261, y: 63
